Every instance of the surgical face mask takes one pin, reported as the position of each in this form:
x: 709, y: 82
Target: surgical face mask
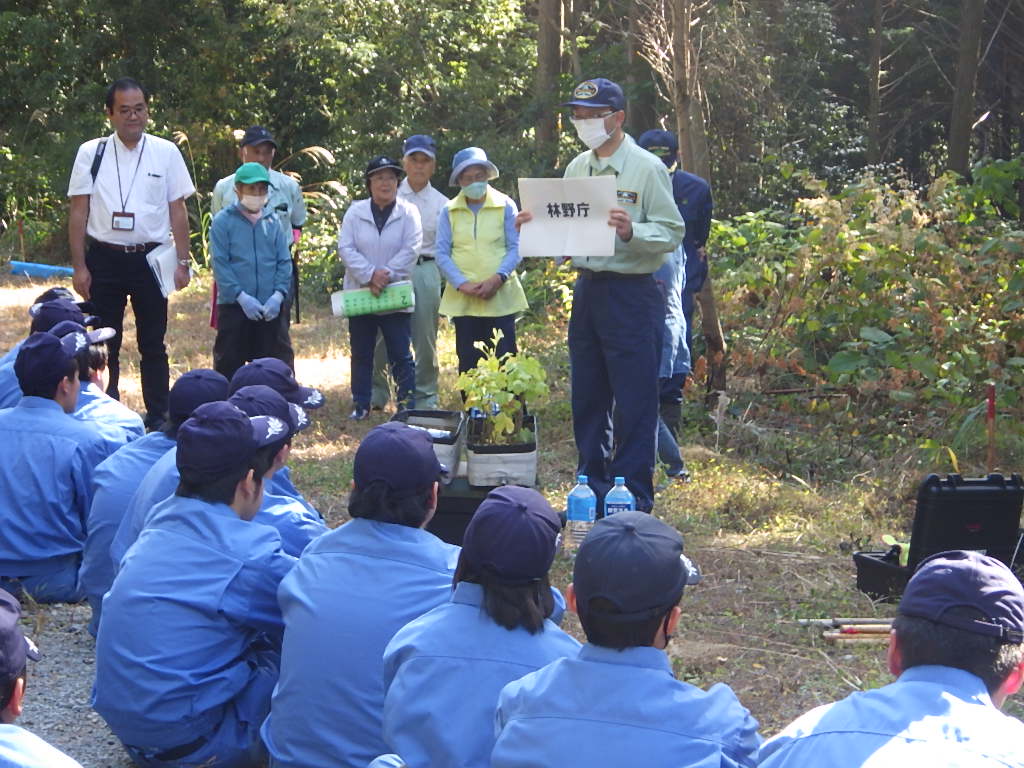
x: 253, y: 203
x: 476, y: 190
x: 591, y: 131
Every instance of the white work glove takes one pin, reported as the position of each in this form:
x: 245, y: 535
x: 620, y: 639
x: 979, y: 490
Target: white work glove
x: 252, y: 308
x: 273, y: 306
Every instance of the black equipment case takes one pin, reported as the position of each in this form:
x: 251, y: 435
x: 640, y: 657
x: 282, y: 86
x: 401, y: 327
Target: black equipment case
x: 954, y: 512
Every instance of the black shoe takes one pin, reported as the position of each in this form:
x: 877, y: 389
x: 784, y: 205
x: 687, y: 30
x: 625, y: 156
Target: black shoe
x: 358, y: 414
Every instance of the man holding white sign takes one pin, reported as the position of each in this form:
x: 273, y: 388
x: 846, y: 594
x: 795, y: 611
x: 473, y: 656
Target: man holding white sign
x: 618, y: 312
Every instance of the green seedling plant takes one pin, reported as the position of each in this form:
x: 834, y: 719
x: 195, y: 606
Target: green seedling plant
x: 500, y: 387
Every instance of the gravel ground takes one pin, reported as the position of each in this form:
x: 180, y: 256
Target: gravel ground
x: 57, y: 697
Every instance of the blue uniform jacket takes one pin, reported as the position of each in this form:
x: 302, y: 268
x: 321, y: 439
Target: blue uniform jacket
x: 693, y: 199
x: 47, y: 460
x: 10, y: 389
x: 352, y: 589
x: 443, y: 673
x: 194, y: 593
x: 297, y: 526
x: 117, y: 424
x: 114, y: 482
x: 23, y: 749
x: 616, y: 708
x: 249, y: 257
x: 930, y: 716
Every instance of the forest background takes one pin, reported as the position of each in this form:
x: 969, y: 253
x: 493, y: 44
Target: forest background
x: 867, y: 252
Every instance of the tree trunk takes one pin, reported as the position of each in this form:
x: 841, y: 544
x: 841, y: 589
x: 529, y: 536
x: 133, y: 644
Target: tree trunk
x: 680, y: 19
x: 971, y: 18
x: 573, y: 11
x: 875, y: 85
x: 641, y: 113
x: 549, y: 61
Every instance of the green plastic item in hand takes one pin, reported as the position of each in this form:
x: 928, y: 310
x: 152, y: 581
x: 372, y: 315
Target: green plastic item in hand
x: 361, y: 301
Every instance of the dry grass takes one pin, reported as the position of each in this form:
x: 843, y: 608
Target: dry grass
x: 772, y: 548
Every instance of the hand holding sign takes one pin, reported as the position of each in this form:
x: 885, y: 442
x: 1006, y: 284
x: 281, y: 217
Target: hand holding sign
x: 570, y: 217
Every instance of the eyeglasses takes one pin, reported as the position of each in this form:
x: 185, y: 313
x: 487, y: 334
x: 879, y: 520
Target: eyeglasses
x: 130, y: 111
x: 593, y: 117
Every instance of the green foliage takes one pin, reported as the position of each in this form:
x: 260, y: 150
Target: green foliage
x: 501, y: 387
x: 906, y: 300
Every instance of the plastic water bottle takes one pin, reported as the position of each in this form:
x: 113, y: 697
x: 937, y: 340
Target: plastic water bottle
x: 619, y: 499
x: 581, y: 511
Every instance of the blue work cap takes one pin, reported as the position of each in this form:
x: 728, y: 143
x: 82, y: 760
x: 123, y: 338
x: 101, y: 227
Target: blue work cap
x: 419, y: 143
x: 192, y: 389
x: 663, y: 144
x: 261, y: 400
x: 15, y: 648
x: 218, y: 438
x: 597, y: 92
x: 44, y: 359
x: 398, y: 455
x: 278, y: 376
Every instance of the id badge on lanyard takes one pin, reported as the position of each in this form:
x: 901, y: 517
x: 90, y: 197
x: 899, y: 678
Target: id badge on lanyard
x: 122, y: 221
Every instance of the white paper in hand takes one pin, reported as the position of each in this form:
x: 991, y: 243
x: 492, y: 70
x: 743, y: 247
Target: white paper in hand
x: 163, y: 261
x: 570, y: 217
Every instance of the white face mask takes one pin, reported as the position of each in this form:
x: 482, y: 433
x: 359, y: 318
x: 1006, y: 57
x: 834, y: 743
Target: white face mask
x: 591, y: 131
x: 253, y: 203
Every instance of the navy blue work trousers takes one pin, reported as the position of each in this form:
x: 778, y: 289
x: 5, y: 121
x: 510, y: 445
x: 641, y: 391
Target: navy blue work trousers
x: 396, y: 329
x: 615, y: 335
x: 470, y: 329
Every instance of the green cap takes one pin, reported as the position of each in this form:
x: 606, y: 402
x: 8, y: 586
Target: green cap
x: 251, y: 173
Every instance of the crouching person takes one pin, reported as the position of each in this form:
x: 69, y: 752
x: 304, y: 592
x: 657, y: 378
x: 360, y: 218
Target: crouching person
x: 617, y: 702
x: 187, y: 653
x: 956, y: 649
x: 457, y: 658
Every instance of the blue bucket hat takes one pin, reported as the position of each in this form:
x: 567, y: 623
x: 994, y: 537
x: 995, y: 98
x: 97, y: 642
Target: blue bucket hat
x: 467, y: 157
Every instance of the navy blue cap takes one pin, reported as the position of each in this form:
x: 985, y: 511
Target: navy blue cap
x: 419, y: 143
x: 277, y: 376
x: 512, y: 535
x: 398, y: 455
x: 64, y: 327
x: 192, y: 389
x: 597, y: 92
x: 663, y: 144
x: 261, y: 400
x: 636, y: 562
x: 15, y: 648
x: 43, y: 360
x: 382, y: 163
x: 47, y: 314
x: 218, y: 438
x: 55, y: 292
x: 257, y: 134
x: 948, y: 585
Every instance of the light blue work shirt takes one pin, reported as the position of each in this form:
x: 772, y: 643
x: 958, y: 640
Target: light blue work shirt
x: 118, y: 424
x: 23, y: 749
x: 443, y: 673
x: 10, y: 389
x: 353, y: 588
x: 193, y: 596
x: 615, y: 708
x: 47, y: 460
x: 443, y: 248
x: 161, y: 481
x: 930, y: 716
x: 114, y: 482
x: 671, y: 279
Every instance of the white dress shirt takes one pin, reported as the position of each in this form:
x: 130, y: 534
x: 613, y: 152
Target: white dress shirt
x: 429, y: 202
x: 160, y: 177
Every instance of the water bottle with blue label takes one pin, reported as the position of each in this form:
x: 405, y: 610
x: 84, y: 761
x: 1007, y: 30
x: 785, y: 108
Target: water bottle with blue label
x: 619, y: 499
x: 581, y: 511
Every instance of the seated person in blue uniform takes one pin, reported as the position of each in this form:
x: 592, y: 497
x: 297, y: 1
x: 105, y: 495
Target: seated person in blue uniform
x: 297, y: 525
x: 353, y: 588
x: 162, y: 478
x: 19, y: 747
x: 956, y: 651
x: 275, y: 374
x: 118, y: 424
x: 50, y: 308
x: 47, y: 460
x: 117, y: 478
x: 617, y: 703
x: 188, y: 650
x: 456, y: 658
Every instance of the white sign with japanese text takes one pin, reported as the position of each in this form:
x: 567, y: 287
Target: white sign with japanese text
x: 570, y: 217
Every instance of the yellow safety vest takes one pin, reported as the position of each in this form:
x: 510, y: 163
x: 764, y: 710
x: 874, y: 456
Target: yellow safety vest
x: 478, y: 246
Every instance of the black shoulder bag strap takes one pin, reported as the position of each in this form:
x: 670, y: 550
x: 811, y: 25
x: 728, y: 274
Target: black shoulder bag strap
x: 97, y: 159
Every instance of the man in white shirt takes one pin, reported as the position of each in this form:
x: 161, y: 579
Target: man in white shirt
x: 419, y: 164
x: 127, y: 195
